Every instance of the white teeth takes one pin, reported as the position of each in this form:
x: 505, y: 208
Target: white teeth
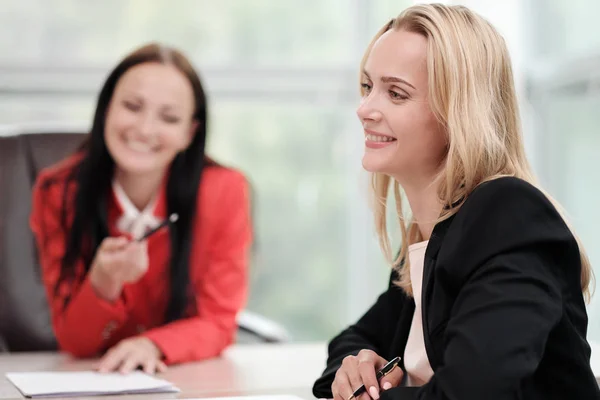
x: 140, y: 147
x: 377, y: 138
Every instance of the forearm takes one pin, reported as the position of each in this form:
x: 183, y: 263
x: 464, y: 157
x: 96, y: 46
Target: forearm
x: 87, y: 323
x: 192, y: 339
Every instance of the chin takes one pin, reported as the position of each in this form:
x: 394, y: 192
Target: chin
x: 374, y: 165
x: 134, y: 165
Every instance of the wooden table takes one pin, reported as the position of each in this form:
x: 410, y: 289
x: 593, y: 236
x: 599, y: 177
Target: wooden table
x: 242, y: 370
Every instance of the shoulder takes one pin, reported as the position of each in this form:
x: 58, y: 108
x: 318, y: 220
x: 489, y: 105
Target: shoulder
x: 507, y: 215
x: 222, y: 188
x: 53, y: 188
x: 218, y: 177
x: 220, y: 182
x: 57, y: 175
x: 508, y: 204
x: 507, y: 193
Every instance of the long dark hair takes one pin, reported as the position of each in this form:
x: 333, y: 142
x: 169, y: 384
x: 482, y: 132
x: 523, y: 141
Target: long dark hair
x: 93, y: 178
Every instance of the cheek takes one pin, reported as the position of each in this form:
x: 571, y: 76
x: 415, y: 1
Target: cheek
x: 437, y: 140
x: 111, y: 130
x: 421, y: 140
x: 174, y: 139
x: 416, y: 124
x: 408, y: 125
x: 117, y: 121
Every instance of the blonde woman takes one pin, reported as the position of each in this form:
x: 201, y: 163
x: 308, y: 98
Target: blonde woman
x: 487, y: 296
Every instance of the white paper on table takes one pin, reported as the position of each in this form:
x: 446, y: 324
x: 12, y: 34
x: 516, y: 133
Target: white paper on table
x: 86, y: 383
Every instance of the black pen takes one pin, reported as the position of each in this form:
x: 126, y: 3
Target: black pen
x: 387, y: 368
x: 171, y: 220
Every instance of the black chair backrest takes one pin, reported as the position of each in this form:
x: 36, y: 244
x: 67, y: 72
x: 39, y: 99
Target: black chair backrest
x: 24, y: 315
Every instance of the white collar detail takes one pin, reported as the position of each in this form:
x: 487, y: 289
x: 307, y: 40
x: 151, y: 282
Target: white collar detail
x: 134, y: 221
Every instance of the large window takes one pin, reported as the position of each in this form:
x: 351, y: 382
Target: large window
x: 563, y: 28
x: 568, y: 139
x: 564, y: 82
x: 282, y: 80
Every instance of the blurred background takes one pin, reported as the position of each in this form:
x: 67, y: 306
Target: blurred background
x: 282, y: 81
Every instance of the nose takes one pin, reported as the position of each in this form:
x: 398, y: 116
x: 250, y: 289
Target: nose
x: 146, y: 126
x: 368, y: 109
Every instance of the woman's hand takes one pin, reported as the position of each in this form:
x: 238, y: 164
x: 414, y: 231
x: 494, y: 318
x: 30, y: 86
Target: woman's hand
x: 117, y: 261
x: 361, y: 369
x: 129, y: 354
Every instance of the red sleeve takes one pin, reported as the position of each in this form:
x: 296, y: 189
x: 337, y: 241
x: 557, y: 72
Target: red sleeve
x: 221, y: 286
x: 84, y: 326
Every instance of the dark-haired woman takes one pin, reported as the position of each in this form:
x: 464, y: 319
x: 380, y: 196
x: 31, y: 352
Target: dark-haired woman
x: 173, y: 297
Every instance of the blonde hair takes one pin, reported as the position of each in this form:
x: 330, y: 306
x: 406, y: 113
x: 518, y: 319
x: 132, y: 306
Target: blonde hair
x: 472, y: 94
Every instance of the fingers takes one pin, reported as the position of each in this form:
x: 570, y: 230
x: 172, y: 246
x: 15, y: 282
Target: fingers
x: 132, y: 361
x: 136, y: 247
x: 161, y: 367
x: 367, y: 373
x: 149, y: 366
x: 356, y: 371
x: 123, y: 260
x: 113, y: 359
x: 361, y: 369
x: 121, y: 249
x: 135, y: 257
x: 130, y: 354
x: 108, y: 254
x: 341, y: 388
x: 111, y: 244
x: 132, y: 254
x: 143, y: 244
x: 393, y: 379
x: 350, y: 367
x: 152, y: 366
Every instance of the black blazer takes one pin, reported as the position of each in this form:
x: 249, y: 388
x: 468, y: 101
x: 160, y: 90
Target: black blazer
x: 502, y: 308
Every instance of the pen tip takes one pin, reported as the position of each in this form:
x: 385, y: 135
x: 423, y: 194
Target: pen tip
x: 173, y: 217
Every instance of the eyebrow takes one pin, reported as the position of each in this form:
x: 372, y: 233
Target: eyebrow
x: 388, y: 79
x: 164, y: 107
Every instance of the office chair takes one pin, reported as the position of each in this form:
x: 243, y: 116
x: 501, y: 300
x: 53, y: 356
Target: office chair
x: 24, y: 315
x: 3, y: 346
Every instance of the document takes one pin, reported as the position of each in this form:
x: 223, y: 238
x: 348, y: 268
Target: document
x: 86, y: 383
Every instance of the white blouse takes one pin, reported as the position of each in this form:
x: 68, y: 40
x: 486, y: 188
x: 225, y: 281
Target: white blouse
x: 417, y: 366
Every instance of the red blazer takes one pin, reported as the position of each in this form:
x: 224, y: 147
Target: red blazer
x: 89, y: 325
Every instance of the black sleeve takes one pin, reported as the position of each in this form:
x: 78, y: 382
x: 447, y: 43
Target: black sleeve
x: 373, y: 331
x: 509, y: 255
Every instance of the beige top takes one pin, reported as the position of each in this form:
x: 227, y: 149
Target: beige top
x: 417, y: 366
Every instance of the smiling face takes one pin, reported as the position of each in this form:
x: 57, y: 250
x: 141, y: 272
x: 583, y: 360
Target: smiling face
x: 402, y: 135
x: 149, y: 118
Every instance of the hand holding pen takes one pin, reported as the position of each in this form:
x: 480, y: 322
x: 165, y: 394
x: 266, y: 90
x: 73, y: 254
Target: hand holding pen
x: 384, y: 371
x: 121, y: 260
x: 367, y: 373
x: 167, y: 222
